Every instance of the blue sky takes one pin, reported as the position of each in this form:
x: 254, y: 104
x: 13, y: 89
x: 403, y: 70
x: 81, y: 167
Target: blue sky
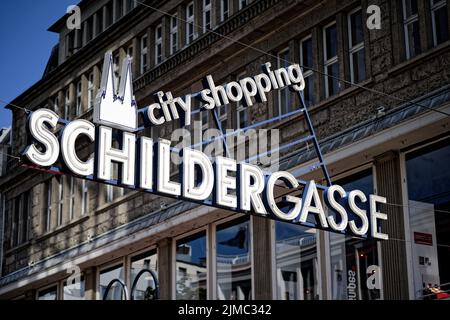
x: 25, y: 45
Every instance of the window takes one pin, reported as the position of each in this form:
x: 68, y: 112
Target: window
x: 285, y: 104
x: 356, y: 46
x: 439, y: 19
x: 56, y: 105
x: 60, y: 203
x: 428, y: 187
x: 242, y: 4
x: 74, y: 290
x: 130, y: 52
x: 99, y: 22
x: 71, y: 198
x: 89, y: 29
x: 191, y: 264
x: 129, y: 5
x: 297, y: 263
x: 84, y: 197
x: 119, y: 9
x: 173, y: 34
x: 206, y: 15
x: 190, y: 27
x: 144, y: 53
x: 48, y: 211
x: 331, y: 60
x: 411, y: 28
x: 79, y: 97
x: 91, y: 93
x: 158, y: 44
x: 116, y: 291
x: 48, y: 294
x: 222, y: 113
x: 354, y: 260
x: 108, y: 14
x: 20, y: 218
x: 233, y: 260
x: 116, y: 68
x: 306, y: 61
x: 70, y: 43
x: 224, y: 9
x: 67, y: 104
x: 145, y: 286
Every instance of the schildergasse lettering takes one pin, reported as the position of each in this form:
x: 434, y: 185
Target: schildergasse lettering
x: 144, y: 163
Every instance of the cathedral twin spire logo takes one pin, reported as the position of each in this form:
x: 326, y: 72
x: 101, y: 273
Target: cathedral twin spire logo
x: 116, y: 110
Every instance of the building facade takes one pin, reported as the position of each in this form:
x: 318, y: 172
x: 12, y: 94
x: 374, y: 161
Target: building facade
x: 379, y: 102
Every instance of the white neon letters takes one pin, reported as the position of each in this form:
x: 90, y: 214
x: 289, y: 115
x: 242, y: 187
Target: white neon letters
x: 68, y: 146
x: 39, y: 124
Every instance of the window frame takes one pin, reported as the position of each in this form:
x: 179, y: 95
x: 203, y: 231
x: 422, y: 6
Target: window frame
x: 224, y: 14
x: 307, y: 73
x: 79, y: 96
x: 60, y: 201
x: 206, y: 10
x: 173, y: 34
x: 143, y: 53
x: 67, y: 104
x: 327, y: 61
x: 352, y: 49
x: 91, y: 93
x: 406, y: 22
x: 433, y: 8
x: 190, y: 23
x: 158, y: 44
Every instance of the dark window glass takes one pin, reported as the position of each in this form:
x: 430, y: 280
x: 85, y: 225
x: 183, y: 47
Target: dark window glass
x: 331, y: 42
x: 307, y: 56
x: 333, y: 82
x: 441, y: 25
x: 357, y: 28
x: 359, y: 66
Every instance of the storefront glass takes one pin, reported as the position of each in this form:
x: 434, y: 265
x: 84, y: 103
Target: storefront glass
x: 48, y: 294
x: 297, y: 266
x: 191, y: 267
x: 116, y: 292
x: 144, y: 287
x: 233, y: 260
x: 428, y: 181
x: 74, y: 290
x: 354, y: 262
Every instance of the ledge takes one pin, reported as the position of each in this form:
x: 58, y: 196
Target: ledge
x: 61, y: 228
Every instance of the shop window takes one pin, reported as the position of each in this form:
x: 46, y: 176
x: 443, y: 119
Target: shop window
x: 206, y: 15
x: 355, y: 262
x: 143, y: 286
x: 411, y: 28
x: 331, y: 60
x: 306, y: 61
x: 297, y: 265
x: 48, y: 294
x: 75, y: 289
x: 428, y: 183
x: 173, y: 34
x: 190, y: 26
x: 233, y: 260
x: 191, y: 264
x: 285, y: 104
x: 224, y: 9
x: 112, y: 277
x: 356, y: 46
x: 439, y: 19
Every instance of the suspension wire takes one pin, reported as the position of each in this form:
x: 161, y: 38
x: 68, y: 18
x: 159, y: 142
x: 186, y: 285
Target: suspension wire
x: 351, y: 83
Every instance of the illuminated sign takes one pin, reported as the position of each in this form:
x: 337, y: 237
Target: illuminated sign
x: 145, y: 164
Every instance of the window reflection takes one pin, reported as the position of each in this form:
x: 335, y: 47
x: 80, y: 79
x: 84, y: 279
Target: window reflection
x: 191, y: 267
x: 354, y: 262
x: 48, y: 294
x: 145, y: 288
x: 428, y: 176
x: 233, y: 260
x: 297, y: 265
x: 116, y: 292
x: 74, y: 290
